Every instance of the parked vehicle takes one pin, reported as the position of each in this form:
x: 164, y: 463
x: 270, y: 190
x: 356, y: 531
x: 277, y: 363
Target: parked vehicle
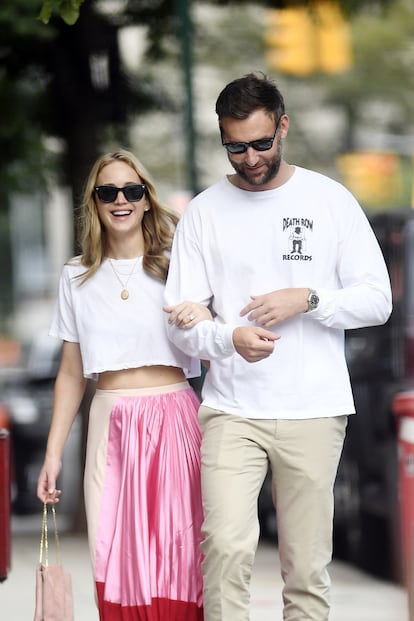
x: 28, y: 395
x: 381, y: 363
x: 5, y: 494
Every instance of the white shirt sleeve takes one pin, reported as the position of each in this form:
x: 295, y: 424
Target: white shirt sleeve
x: 63, y: 323
x: 365, y: 297
x: 187, y: 280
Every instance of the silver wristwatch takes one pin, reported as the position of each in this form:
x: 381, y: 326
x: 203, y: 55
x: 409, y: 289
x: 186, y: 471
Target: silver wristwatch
x: 313, y: 300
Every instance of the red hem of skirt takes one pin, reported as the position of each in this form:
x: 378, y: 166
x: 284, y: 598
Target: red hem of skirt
x: 160, y: 609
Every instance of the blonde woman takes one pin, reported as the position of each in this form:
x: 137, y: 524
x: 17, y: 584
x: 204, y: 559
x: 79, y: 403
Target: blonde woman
x: 142, y: 473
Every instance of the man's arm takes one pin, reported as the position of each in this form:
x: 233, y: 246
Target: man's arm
x: 188, y: 280
x: 363, y: 299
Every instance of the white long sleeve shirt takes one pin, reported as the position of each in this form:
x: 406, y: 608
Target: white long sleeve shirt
x: 231, y: 244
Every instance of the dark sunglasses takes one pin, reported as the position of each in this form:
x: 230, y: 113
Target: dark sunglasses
x: 133, y: 192
x: 263, y: 144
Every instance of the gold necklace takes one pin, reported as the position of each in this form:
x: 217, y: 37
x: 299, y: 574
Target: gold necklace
x: 124, y: 291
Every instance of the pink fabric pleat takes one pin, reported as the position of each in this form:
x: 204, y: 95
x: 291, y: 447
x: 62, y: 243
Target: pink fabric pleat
x: 148, y: 559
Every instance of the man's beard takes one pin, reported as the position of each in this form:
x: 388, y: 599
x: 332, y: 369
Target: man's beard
x: 273, y: 167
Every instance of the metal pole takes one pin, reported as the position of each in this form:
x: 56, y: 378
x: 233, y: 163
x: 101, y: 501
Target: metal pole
x: 185, y: 38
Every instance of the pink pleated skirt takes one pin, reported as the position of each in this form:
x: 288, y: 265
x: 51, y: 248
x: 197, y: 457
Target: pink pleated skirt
x: 143, y: 504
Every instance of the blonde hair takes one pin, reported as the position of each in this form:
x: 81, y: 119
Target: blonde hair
x: 158, y: 223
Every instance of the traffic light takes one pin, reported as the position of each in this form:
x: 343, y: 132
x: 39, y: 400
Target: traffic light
x: 301, y: 40
x: 334, y: 38
x: 374, y: 177
x: 289, y: 40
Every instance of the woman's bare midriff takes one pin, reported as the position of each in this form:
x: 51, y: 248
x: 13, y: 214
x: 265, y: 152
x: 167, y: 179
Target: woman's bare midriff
x: 142, y: 377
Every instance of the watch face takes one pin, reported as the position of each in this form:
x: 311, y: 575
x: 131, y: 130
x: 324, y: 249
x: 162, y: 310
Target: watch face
x: 313, y: 300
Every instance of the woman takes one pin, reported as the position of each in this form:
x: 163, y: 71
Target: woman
x: 142, y: 488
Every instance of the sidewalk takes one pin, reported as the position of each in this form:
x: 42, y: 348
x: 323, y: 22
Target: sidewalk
x: 17, y: 593
x: 355, y: 596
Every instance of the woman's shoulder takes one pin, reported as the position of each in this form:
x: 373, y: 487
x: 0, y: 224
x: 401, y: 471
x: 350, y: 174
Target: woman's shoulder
x: 74, y: 261
x: 74, y: 267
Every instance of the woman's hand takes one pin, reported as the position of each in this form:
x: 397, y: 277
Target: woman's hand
x: 187, y: 314
x: 46, y: 483
x: 69, y: 390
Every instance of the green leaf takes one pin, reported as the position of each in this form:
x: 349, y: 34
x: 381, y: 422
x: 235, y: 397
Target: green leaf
x: 46, y: 11
x: 69, y: 11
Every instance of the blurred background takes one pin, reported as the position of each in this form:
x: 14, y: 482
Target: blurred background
x: 145, y: 75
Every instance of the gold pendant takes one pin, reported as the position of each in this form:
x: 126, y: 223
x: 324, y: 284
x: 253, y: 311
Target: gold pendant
x: 124, y: 294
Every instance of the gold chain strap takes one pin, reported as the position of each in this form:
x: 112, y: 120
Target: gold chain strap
x: 44, y: 538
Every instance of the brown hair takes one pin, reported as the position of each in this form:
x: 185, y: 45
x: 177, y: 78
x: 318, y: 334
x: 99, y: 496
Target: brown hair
x: 242, y: 96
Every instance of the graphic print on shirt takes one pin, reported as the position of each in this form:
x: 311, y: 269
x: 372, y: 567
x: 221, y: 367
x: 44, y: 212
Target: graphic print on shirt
x: 298, y: 233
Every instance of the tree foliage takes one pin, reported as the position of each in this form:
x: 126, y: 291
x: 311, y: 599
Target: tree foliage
x: 23, y: 79
x: 47, y: 85
x: 69, y: 10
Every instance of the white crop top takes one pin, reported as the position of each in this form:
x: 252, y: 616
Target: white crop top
x: 114, y: 333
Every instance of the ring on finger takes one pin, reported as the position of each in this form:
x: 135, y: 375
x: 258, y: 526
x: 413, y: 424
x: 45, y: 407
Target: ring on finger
x: 191, y: 317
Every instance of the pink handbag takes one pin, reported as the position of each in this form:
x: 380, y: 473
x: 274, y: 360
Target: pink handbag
x: 54, y: 597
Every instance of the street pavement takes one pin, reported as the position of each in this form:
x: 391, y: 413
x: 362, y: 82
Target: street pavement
x: 356, y: 596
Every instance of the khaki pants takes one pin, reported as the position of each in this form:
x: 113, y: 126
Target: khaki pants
x: 304, y: 457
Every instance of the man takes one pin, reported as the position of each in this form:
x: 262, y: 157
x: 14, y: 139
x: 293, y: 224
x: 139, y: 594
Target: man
x: 278, y: 390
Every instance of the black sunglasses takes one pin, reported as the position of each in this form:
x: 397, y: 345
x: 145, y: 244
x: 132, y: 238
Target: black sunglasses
x: 133, y: 192
x: 263, y: 144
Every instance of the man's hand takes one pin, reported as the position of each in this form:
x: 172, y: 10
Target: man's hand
x: 269, y: 309
x: 254, y: 343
